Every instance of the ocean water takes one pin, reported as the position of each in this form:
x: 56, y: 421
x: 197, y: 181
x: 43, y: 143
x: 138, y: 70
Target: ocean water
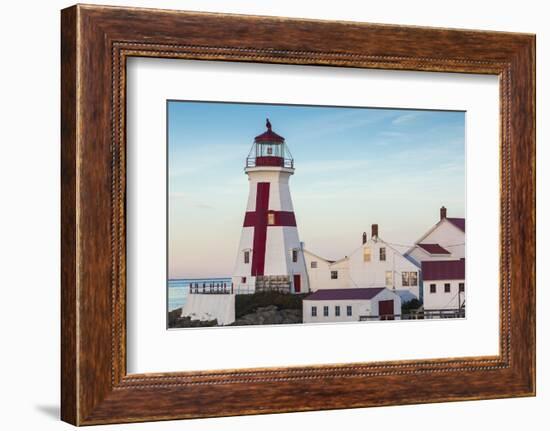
x: 178, y: 289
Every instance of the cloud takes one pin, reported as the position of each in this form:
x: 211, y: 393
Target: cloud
x: 406, y: 118
x: 203, y: 157
x: 177, y: 195
x: 203, y: 206
x: 324, y: 166
x: 350, y: 118
x: 392, y: 134
x: 189, y: 202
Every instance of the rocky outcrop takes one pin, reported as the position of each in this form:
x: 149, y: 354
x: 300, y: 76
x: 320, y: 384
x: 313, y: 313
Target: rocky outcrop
x: 176, y: 321
x: 270, y: 315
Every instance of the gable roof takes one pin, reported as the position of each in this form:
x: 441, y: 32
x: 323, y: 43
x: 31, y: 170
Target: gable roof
x: 458, y: 222
x: 329, y: 261
x: 388, y: 245
x: 345, y: 294
x: 434, y: 248
x: 443, y: 269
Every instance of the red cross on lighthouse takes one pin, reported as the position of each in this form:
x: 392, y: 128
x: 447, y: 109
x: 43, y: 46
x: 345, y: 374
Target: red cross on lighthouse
x: 260, y: 220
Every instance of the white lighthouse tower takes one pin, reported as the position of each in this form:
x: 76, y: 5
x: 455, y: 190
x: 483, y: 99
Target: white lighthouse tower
x: 270, y: 255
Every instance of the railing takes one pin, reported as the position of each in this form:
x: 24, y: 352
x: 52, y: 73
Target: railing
x: 211, y: 288
x: 419, y: 315
x: 283, y: 163
x: 244, y: 290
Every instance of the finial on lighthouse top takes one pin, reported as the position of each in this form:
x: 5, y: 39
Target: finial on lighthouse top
x: 269, y: 135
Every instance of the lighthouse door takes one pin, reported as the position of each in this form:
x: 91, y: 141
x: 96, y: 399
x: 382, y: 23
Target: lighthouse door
x: 297, y: 283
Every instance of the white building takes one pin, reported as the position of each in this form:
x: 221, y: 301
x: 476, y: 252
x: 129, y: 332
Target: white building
x: 350, y: 305
x: 270, y: 255
x: 375, y: 263
x: 326, y: 274
x: 441, y: 254
x: 444, y: 241
x: 444, y: 287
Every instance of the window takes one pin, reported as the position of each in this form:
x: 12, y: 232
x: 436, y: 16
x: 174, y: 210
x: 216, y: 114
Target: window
x: 313, y: 264
x: 382, y: 253
x: 314, y: 311
x: 243, y: 280
x: 337, y: 310
x: 294, y: 255
x: 269, y: 151
x: 366, y: 254
x: 246, y: 257
x: 271, y: 219
x: 325, y: 311
x: 432, y: 288
x: 389, y: 278
x: 409, y: 278
x: 348, y: 310
x: 334, y: 275
x: 447, y: 287
x: 461, y: 287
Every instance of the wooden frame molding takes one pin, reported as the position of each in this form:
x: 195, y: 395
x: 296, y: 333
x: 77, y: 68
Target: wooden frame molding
x: 95, y: 42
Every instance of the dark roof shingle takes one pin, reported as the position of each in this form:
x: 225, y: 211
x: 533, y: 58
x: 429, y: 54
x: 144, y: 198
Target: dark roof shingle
x: 345, y: 294
x: 458, y: 222
x: 434, y: 248
x: 443, y: 269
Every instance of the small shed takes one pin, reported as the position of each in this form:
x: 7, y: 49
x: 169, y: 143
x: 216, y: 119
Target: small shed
x: 351, y: 305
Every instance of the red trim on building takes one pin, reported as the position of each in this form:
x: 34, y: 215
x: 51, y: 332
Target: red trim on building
x: 270, y: 161
x: 282, y: 218
x: 260, y: 229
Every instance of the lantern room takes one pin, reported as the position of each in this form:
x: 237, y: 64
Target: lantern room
x: 269, y: 149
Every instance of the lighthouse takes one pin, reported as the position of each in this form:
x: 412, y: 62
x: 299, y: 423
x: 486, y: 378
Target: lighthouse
x: 270, y: 255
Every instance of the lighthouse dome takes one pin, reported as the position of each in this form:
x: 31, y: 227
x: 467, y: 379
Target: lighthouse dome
x: 269, y: 135
x: 269, y: 149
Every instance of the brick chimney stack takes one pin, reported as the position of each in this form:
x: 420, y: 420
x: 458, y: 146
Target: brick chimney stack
x: 374, y: 231
x: 442, y: 213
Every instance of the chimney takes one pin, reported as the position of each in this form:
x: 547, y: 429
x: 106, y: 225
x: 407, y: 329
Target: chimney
x: 374, y: 231
x: 442, y: 213
x: 364, y: 237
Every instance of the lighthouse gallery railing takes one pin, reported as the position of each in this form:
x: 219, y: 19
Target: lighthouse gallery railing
x: 251, y: 162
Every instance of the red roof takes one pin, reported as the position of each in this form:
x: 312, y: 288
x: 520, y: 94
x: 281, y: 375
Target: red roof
x: 269, y: 135
x: 459, y: 223
x: 434, y: 249
x: 344, y: 294
x: 443, y: 269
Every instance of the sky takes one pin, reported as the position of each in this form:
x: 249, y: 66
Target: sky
x: 353, y: 167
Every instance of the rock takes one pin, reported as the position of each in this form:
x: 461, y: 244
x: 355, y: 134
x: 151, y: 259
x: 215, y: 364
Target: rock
x: 270, y: 315
x: 176, y: 321
x: 262, y: 315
